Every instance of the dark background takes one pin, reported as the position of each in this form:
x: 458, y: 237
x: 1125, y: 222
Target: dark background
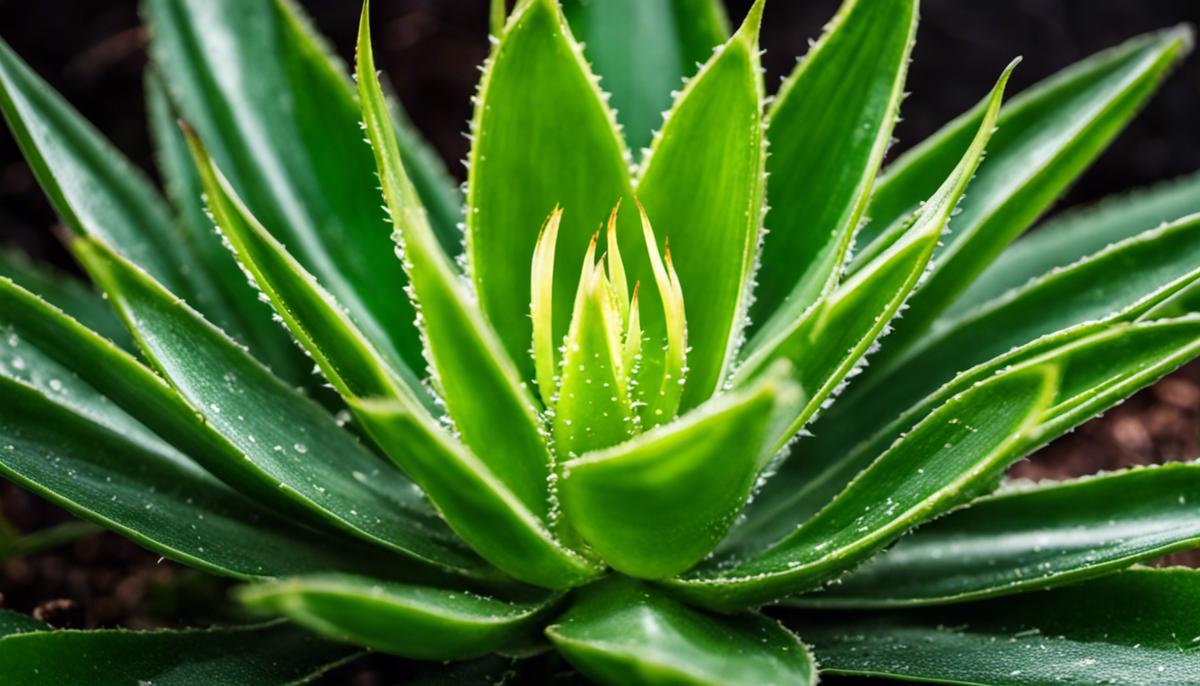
x: 92, y: 51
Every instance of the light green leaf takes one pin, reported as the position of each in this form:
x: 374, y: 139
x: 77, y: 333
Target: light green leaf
x: 1137, y: 627
x: 67, y: 293
x: 960, y: 448
x: 702, y: 183
x: 266, y: 655
x: 293, y: 455
x: 1102, y: 364
x: 158, y: 498
x: 537, y: 80
x: 1079, y: 232
x: 622, y: 633
x: 657, y: 504
x: 418, y: 622
x: 1046, y: 137
x: 825, y: 343
x: 480, y: 385
x: 480, y: 509
x: 642, y: 49
x: 289, y: 140
x: 829, y: 127
x: 1029, y: 537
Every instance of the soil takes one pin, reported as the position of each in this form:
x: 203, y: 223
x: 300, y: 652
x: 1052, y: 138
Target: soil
x: 94, y: 54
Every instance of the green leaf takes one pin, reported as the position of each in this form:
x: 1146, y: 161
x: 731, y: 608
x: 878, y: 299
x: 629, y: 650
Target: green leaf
x: 1137, y: 627
x: 239, y: 313
x: 702, y: 182
x: 642, y: 49
x: 1029, y: 537
x: 1046, y: 137
x: 826, y: 343
x: 1078, y: 232
x: 266, y: 655
x: 44, y: 539
x: 158, y: 498
x: 290, y: 143
x: 480, y: 509
x: 480, y: 385
x: 958, y: 449
x: 657, y: 504
x: 537, y: 80
x: 16, y: 623
x: 67, y: 293
x: 418, y: 622
x: 294, y: 457
x: 829, y: 127
x: 1102, y: 364
x: 620, y: 632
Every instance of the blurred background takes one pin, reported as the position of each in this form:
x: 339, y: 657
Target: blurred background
x: 93, y: 52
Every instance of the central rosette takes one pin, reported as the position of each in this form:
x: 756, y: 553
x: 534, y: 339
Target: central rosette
x: 609, y: 378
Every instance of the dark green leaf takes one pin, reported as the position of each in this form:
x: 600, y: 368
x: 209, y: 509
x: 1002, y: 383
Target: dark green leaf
x: 625, y: 634
x: 829, y: 127
x: 16, y: 623
x: 66, y: 293
x: 268, y: 655
x: 412, y: 621
x: 702, y: 183
x: 1137, y: 627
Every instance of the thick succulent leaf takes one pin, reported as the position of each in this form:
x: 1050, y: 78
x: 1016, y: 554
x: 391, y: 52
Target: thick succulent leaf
x: 1030, y: 537
x: 709, y: 198
x: 266, y: 655
x: 480, y: 509
x: 956, y: 451
x: 622, y: 633
x: 94, y: 189
x: 418, y: 622
x: 642, y: 49
x: 1073, y: 235
x: 16, y: 623
x: 66, y: 293
x: 263, y: 438
x: 156, y: 497
x: 289, y: 140
x: 479, y: 384
x: 825, y: 343
x: 657, y: 504
x: 1102, y: 365
x: 239, y: 311
x: 829, y: 127
x: 1046, y: 137
x: 537, y: 80
x: 1137, y: 627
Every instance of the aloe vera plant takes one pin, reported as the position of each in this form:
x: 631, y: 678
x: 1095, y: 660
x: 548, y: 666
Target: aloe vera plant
x: 601, y: 414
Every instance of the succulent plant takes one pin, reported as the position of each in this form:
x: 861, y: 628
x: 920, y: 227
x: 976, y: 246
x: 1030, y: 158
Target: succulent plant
x: 608, y: 418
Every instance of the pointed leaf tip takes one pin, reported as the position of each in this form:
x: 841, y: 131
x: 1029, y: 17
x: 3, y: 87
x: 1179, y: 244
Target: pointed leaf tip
x: 748, y: 32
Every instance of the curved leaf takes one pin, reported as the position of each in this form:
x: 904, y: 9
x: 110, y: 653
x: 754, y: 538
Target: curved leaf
x: 1137, y: 627
x: 956, y: 451
x: 16, y: 623
x: 412, y: 621
x: 658, y: 503
x: 709, y: 198
x: 829, y: 127
x: 537, y: 80
x: 266, y: 655
x: 642, y: 49
x: 67, y: 293
x: 622, y: 633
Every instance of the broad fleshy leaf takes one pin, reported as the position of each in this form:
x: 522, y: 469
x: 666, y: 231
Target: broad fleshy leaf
x: 829, y: 127
x: 1030, y: 537
x: 622, y: 633
x: 67, y: 293
x: 642, y: 49
x: 1137, y: 627
x: 294, y: 457
x: 657, y: 504
x: 1046, y: 137
x: 537, y: 80
x: 266, y: 655
x: 418, y: 622
x: 946, y: 459
x: 709, y: 199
